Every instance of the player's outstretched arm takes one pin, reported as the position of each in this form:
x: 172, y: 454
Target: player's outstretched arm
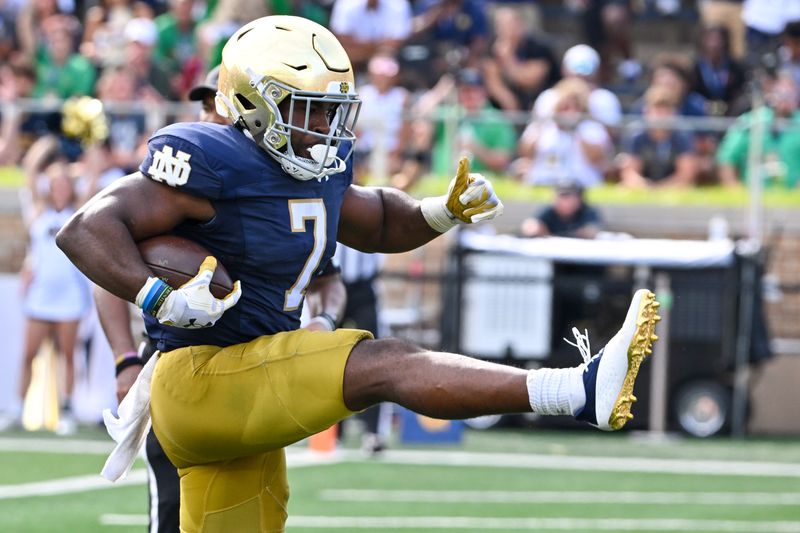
x: 388, y: 220
x: 101, y: 237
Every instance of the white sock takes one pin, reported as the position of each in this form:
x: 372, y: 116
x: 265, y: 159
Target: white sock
x: 556, y: 391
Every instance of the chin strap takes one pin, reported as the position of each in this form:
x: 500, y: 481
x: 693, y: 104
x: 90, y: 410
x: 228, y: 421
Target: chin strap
x: 321, y: 154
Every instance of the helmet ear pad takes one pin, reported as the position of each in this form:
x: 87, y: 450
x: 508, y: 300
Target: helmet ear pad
x: 257, y: 120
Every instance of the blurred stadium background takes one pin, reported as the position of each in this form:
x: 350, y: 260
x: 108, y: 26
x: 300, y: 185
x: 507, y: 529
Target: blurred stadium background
x: 704, y: 210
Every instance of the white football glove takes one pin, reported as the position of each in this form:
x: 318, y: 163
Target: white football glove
x: 469, y: 199
x: 193, y: 306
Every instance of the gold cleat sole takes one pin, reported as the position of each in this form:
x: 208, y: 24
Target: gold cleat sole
x: 640, y: 347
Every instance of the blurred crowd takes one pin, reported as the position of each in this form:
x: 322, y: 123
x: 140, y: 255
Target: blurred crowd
x: 444, y: 78
x: 439, y: 79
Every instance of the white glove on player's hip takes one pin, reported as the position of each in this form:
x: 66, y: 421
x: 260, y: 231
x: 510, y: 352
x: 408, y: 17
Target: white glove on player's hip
x: 192, y: 305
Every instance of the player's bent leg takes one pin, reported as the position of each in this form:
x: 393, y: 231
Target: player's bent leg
x: 247, y: 495
x: 210, y: 404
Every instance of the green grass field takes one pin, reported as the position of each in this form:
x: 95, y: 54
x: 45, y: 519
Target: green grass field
x: 502, y: 480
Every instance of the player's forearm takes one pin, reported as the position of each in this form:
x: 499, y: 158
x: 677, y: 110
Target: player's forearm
x: 115, y: 319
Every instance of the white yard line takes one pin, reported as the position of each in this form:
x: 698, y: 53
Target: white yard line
x: 563, y: 497
x: 124, y: 520
x: 488, y: 523
x: 69, y: 485
x: 458, y: 458
x: 595, y: 464
x: 299, y: 457
x: 536, y: 524
x: 70, y: 446
x: 89, y: 482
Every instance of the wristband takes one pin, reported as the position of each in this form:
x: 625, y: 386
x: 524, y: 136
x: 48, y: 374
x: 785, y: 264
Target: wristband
x: 329, y: 318
x: 437, y: 215
x: 127, y: 359
x: 152, y: 295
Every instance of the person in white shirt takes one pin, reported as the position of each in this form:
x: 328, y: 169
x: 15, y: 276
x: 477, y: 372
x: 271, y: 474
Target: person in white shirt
x: 365, y: 27
x: 765, y: 20
x: 563, y: 143
x: 583, y: 62
x: 382, y: 130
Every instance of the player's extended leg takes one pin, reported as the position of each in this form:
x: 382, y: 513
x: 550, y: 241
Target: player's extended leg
x: 444, y: 385
x: 437, y: 384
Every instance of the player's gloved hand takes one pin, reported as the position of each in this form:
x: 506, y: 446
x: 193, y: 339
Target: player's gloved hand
x: 192, y: 305
x: 470, y: 199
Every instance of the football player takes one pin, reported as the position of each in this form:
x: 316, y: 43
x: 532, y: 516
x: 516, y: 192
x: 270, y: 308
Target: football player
x: 325, y: 299
x: 236, y: 380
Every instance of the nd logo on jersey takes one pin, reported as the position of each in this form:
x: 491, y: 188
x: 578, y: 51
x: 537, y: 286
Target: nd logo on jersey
x: 172, y: 169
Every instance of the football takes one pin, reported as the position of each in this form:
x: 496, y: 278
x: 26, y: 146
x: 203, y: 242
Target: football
x: 176, y: 261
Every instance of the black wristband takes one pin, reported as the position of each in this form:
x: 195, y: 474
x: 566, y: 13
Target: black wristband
x: 330, y: 318
x: 127, y: 362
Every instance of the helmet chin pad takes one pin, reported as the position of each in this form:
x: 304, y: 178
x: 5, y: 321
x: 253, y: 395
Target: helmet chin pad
x: 323, y: 163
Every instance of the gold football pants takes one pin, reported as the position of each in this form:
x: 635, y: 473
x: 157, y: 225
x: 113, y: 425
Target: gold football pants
x: 223, y: 416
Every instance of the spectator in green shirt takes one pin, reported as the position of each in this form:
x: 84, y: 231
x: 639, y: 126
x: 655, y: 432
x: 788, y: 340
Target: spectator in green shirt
x: 781, y: 145
x: 482, y: 132
x: 176, y: 44
x: 60, y: 72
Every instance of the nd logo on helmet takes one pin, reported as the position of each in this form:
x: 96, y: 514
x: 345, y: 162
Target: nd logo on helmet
x: 344, y: 87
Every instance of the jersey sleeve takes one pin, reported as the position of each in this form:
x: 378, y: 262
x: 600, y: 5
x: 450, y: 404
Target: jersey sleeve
x: 182, y: 164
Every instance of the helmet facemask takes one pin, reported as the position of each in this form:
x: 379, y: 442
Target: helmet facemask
x: 274, y: 134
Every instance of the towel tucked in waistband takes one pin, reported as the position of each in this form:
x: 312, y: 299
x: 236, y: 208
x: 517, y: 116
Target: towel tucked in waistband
x: 129, y: 429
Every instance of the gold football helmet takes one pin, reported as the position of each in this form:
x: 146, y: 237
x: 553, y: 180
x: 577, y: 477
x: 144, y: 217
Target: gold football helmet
x: 272, y: 58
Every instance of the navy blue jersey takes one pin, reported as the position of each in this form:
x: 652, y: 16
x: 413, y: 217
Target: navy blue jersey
x: 271, y: 231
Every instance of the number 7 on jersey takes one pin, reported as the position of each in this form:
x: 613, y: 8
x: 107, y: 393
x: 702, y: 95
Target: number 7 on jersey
x: 299, y: 212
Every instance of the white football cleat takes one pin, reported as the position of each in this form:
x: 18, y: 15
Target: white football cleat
x: 608, y: 377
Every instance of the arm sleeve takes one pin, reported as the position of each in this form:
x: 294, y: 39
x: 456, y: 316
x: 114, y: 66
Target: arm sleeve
x: 593, y: 132
x: 544, y: 104
x: 181, y: 164
x: 605, y: 107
